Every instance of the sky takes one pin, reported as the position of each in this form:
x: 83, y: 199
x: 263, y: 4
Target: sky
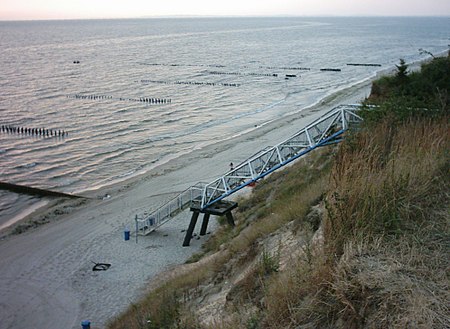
x: 79, y: 9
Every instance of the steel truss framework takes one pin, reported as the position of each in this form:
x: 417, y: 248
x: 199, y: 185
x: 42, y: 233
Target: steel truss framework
x: 326, y: 130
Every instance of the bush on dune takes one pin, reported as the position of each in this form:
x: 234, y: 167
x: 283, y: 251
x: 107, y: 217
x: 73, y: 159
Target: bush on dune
x: 424, y: 93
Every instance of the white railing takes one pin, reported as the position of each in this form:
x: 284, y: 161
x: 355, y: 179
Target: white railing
x: 185, y: 199
x: 324, y: 131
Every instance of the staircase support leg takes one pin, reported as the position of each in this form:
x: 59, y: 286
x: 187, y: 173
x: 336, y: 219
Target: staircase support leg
x: 204, y: 224
x: 190, y: 230
x: 230, y: 218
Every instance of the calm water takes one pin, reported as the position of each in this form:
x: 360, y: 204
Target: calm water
x: 217, y: 73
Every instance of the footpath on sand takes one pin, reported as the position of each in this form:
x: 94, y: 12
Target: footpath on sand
x: 46, y: 277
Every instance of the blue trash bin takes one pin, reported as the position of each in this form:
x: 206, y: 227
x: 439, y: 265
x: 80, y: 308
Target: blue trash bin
x: 86, y: 324
x: 126, y: 234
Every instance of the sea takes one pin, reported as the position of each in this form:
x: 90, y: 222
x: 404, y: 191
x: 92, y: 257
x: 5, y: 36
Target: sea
x: 115, y: 98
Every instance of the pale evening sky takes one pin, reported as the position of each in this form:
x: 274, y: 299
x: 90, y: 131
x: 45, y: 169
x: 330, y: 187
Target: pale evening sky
x: 74, y: 9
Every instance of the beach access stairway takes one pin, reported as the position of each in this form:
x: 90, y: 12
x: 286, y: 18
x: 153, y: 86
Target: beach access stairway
x: 326, y: 130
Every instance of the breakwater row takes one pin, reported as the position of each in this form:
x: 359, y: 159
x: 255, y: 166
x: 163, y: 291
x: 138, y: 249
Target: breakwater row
x: 294, y: 68
x: 362, y: 64
x: 286, y: 68
x: 149, y: 100
x: 223, y: 66
x: 182, y: 65
x: 331, y: 70
x: 244, y: 74
x: 93, y: 97
x: 43, y: 132
x: 195, y: 83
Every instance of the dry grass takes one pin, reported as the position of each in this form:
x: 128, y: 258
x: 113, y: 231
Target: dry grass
x: 385, y: 255
x: 384, y: 259
x: 386, y: 180
x: 280, y: 198
x: 164, y: 306
x: 375, y: 288
x: 386, y: 237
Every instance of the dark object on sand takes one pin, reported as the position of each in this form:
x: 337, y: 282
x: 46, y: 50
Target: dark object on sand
x: 101, y: 266
x: 86, y: 324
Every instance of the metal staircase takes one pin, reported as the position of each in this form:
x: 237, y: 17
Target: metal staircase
x: 326, y: 130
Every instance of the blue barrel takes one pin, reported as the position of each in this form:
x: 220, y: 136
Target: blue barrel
x: 126, y: 234
x: 86, y: 324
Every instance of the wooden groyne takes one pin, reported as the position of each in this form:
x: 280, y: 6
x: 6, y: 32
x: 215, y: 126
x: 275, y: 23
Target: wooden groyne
x: 182, y: 65
x: 194, y: 83
x: 224, y: 66
x: 294, y: 68
x: 149, y: 100
x: 362, y: 64
x: 330, y: 70
x: 21, y: 189
x: 39, y: 132
x: 244, y: 74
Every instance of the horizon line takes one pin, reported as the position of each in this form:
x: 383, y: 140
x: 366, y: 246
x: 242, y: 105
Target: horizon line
x: 220, y: 16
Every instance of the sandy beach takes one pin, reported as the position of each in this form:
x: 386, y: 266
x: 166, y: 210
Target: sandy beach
x: 46, y: 277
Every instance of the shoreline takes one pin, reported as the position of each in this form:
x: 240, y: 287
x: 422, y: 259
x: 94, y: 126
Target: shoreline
x: 42, y: 213
x: 48, y: 270
x: 38, y: 213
